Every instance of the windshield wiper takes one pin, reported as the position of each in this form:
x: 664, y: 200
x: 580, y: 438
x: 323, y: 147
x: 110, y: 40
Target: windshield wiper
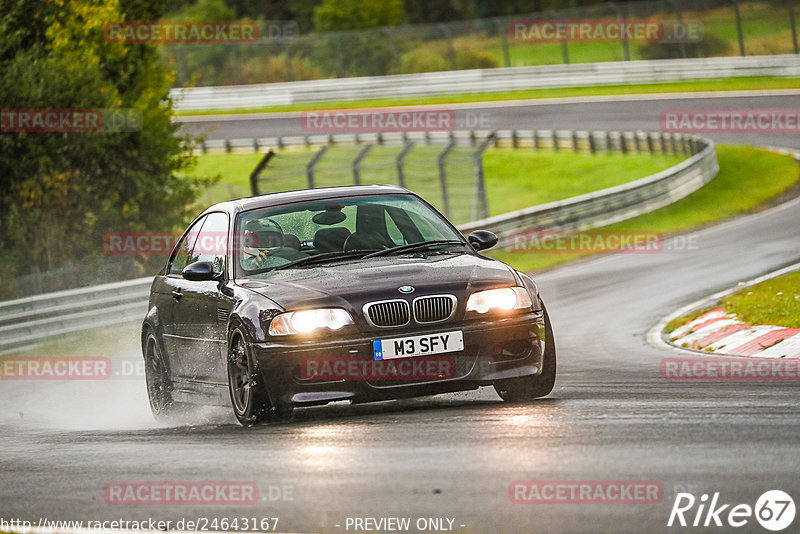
x: 322, y: 258
x: 415, y: 246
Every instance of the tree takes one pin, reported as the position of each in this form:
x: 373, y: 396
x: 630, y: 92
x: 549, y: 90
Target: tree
x: 340, y: 15
x: 62, y: 191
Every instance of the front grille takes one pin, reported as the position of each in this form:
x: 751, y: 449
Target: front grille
x: 434, y: 308
x: 388, y: 313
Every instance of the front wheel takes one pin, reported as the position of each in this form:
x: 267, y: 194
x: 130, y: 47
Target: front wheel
x: 532, y: 387
x: 249, y: 397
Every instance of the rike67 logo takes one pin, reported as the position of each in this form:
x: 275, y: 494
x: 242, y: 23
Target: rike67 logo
x: 774, y: 510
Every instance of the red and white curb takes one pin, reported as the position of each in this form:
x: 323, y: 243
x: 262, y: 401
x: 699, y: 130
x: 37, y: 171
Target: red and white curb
x: 720, y: 333
x: 717, y: 333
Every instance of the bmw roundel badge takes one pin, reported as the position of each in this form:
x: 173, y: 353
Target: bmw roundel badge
x: 405, y: 289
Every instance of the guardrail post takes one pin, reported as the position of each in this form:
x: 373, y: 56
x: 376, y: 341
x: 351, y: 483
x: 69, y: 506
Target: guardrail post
x: 638, y: 142
x: 536, y: 141
x: 609, y: 142
x: 257, y: 172
x: 621, y: 20
x: 289, y: 72
x: 554, y: 137
x: 443, y: 175
x: 313, y: 163
x: 794, y: 27
x: 650, y: 144
x: 393, y: 47
x: 357, y: 164
x: 623, y: 143
x: 401, y: 179
x: 575, y: 147
x: 203, y: 147
x: 502, y: 29
x: 663, y: 139
x: 451, y: 50
x: 738, y: 25
x: 592, y: 145
x: 256, y: 148
x: 228, y: 147
x: 514, y: 139
x: 480, y: 204
x: 337, y: 39
x: 679, y: 17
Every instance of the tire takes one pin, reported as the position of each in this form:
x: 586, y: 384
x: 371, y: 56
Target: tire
x: 249, y: 397
x: 159, y: 384
x: 527, y: 388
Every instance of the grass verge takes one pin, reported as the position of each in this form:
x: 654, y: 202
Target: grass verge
x: 775, y: 302
x: 722, y: 84
x: 515, y: 179
x: 740, y: 187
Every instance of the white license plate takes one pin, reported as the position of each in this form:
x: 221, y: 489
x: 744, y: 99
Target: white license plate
x: 407, y: 347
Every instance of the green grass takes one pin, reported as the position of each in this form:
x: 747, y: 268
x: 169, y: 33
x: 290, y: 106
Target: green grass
x: 723, y: 84
x: 515, y: 179
x: 774, y: 302
x: 740, y: 187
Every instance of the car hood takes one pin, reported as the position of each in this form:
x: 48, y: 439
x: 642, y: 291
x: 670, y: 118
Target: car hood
x: 354, y: 283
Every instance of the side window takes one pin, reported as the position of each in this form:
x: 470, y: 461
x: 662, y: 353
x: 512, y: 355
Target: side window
x: 180, y: 258
x: 212, y: 242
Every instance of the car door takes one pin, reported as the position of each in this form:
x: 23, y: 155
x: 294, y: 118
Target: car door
x: 201, y: 313
x: 170, y: 292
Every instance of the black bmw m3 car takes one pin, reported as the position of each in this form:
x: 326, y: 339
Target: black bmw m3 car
x: 357, y: 293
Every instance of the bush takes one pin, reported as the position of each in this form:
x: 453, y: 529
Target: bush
x: 469, y: 58
x: 424, y: 60
x: 711, y: 45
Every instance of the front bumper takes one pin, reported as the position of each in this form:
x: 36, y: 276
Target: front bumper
x: 494, y: 349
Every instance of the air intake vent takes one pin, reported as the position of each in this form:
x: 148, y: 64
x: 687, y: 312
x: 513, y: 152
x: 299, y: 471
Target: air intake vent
x: 387, y: 313
x: 434, y: 308
x: 222, y: 314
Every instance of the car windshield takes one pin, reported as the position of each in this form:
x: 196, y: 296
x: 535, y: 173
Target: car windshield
x: 323, y: 231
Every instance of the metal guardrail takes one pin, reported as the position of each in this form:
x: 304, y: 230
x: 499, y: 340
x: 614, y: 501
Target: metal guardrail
x: 30, y: 321
x: 618, y: 203
x: 483, y: 80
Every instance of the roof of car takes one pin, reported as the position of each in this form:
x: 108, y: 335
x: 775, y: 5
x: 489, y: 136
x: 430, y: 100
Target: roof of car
x: 276, y: 199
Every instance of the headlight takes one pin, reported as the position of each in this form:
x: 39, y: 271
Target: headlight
x: 302, y: 322
x: 506, y: 298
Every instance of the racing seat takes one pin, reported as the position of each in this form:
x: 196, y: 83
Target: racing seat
x: 330, y: 239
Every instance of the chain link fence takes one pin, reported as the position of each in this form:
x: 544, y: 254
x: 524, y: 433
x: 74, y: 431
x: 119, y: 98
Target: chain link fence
x: 726, y: 28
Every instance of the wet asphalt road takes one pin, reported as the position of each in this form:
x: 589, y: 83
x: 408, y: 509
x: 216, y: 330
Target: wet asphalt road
x: 610, y: 417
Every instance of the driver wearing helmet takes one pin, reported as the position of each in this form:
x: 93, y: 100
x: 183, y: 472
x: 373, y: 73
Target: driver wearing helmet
x: 263, y: 246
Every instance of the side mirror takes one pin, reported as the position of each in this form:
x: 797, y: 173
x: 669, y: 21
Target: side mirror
x: 199, y: 271
x: 482, y: 239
